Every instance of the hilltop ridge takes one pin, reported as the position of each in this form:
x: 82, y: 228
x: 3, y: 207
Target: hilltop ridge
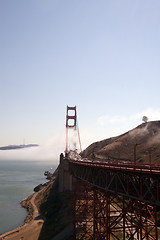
x: 146, y: 136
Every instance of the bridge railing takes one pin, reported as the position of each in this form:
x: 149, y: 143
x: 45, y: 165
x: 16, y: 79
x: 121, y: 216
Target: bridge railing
x: 118, y: 165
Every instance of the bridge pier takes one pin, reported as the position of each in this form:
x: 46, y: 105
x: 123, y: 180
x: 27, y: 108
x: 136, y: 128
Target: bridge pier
x: 64, y: 176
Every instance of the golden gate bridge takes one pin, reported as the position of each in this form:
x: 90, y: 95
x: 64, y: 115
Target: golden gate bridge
x: 111, y: 199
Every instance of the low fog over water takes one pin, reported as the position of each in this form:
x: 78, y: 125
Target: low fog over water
x: 50, y: 150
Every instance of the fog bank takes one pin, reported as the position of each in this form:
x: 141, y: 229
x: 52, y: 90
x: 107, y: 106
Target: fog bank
x: 49, y: 150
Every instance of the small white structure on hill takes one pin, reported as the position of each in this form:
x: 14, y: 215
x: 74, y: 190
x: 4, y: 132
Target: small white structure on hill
x: 145, y: 119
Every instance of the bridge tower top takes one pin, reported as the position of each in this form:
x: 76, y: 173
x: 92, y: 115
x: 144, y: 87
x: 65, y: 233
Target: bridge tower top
x: 72, y: 124
x: 72, y: 117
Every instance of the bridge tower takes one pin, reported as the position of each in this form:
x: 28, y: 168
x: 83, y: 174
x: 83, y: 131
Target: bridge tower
x: 72, y: 128
x: 72, y: 137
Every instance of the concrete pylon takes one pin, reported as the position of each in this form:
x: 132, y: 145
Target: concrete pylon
x: 64, y: 176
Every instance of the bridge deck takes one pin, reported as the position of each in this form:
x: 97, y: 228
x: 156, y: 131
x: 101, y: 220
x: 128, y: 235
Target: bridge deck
x: 118, y: 165
x: 136, y: 181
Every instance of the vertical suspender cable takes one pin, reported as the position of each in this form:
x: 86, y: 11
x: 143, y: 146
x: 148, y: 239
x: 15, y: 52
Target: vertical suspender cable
x: 79, y: 137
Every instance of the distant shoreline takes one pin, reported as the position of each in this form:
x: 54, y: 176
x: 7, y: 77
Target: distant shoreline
x: 12, y: 147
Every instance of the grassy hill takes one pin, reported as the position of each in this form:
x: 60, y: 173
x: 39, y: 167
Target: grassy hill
x: 146, y: 135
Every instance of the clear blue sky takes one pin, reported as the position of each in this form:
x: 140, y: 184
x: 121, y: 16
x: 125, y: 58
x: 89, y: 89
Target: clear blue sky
x: 102, y: 56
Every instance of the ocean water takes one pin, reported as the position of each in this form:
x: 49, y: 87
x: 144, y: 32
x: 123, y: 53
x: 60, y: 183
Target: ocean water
x: 17, y: 181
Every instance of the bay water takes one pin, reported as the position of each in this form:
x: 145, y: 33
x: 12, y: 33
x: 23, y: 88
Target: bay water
x: 17, y: 181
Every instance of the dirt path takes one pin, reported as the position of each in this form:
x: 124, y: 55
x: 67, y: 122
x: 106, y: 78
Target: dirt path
x: 29, y: 231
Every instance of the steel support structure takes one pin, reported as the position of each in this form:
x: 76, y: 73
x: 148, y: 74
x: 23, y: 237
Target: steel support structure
x: 101, y: 216
x: 83, y: 210
x: 114, y: 205
x: 90, y: 212
x: 136, y: 186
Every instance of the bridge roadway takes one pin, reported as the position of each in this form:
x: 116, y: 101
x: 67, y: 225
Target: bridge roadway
x: 135, y: 181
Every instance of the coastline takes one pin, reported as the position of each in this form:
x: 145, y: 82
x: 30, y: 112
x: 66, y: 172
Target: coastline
x: 33, y: 222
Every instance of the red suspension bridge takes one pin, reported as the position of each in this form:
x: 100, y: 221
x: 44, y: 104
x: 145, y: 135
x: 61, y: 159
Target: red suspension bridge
x: 111, y: 199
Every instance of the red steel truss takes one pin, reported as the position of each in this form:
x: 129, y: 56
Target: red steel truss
x: 98, y: 215
x: 114, y: 204
x: 144, y: 187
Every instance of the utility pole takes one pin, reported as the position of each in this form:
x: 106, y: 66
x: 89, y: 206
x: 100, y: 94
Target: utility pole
x: 135, y: 152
